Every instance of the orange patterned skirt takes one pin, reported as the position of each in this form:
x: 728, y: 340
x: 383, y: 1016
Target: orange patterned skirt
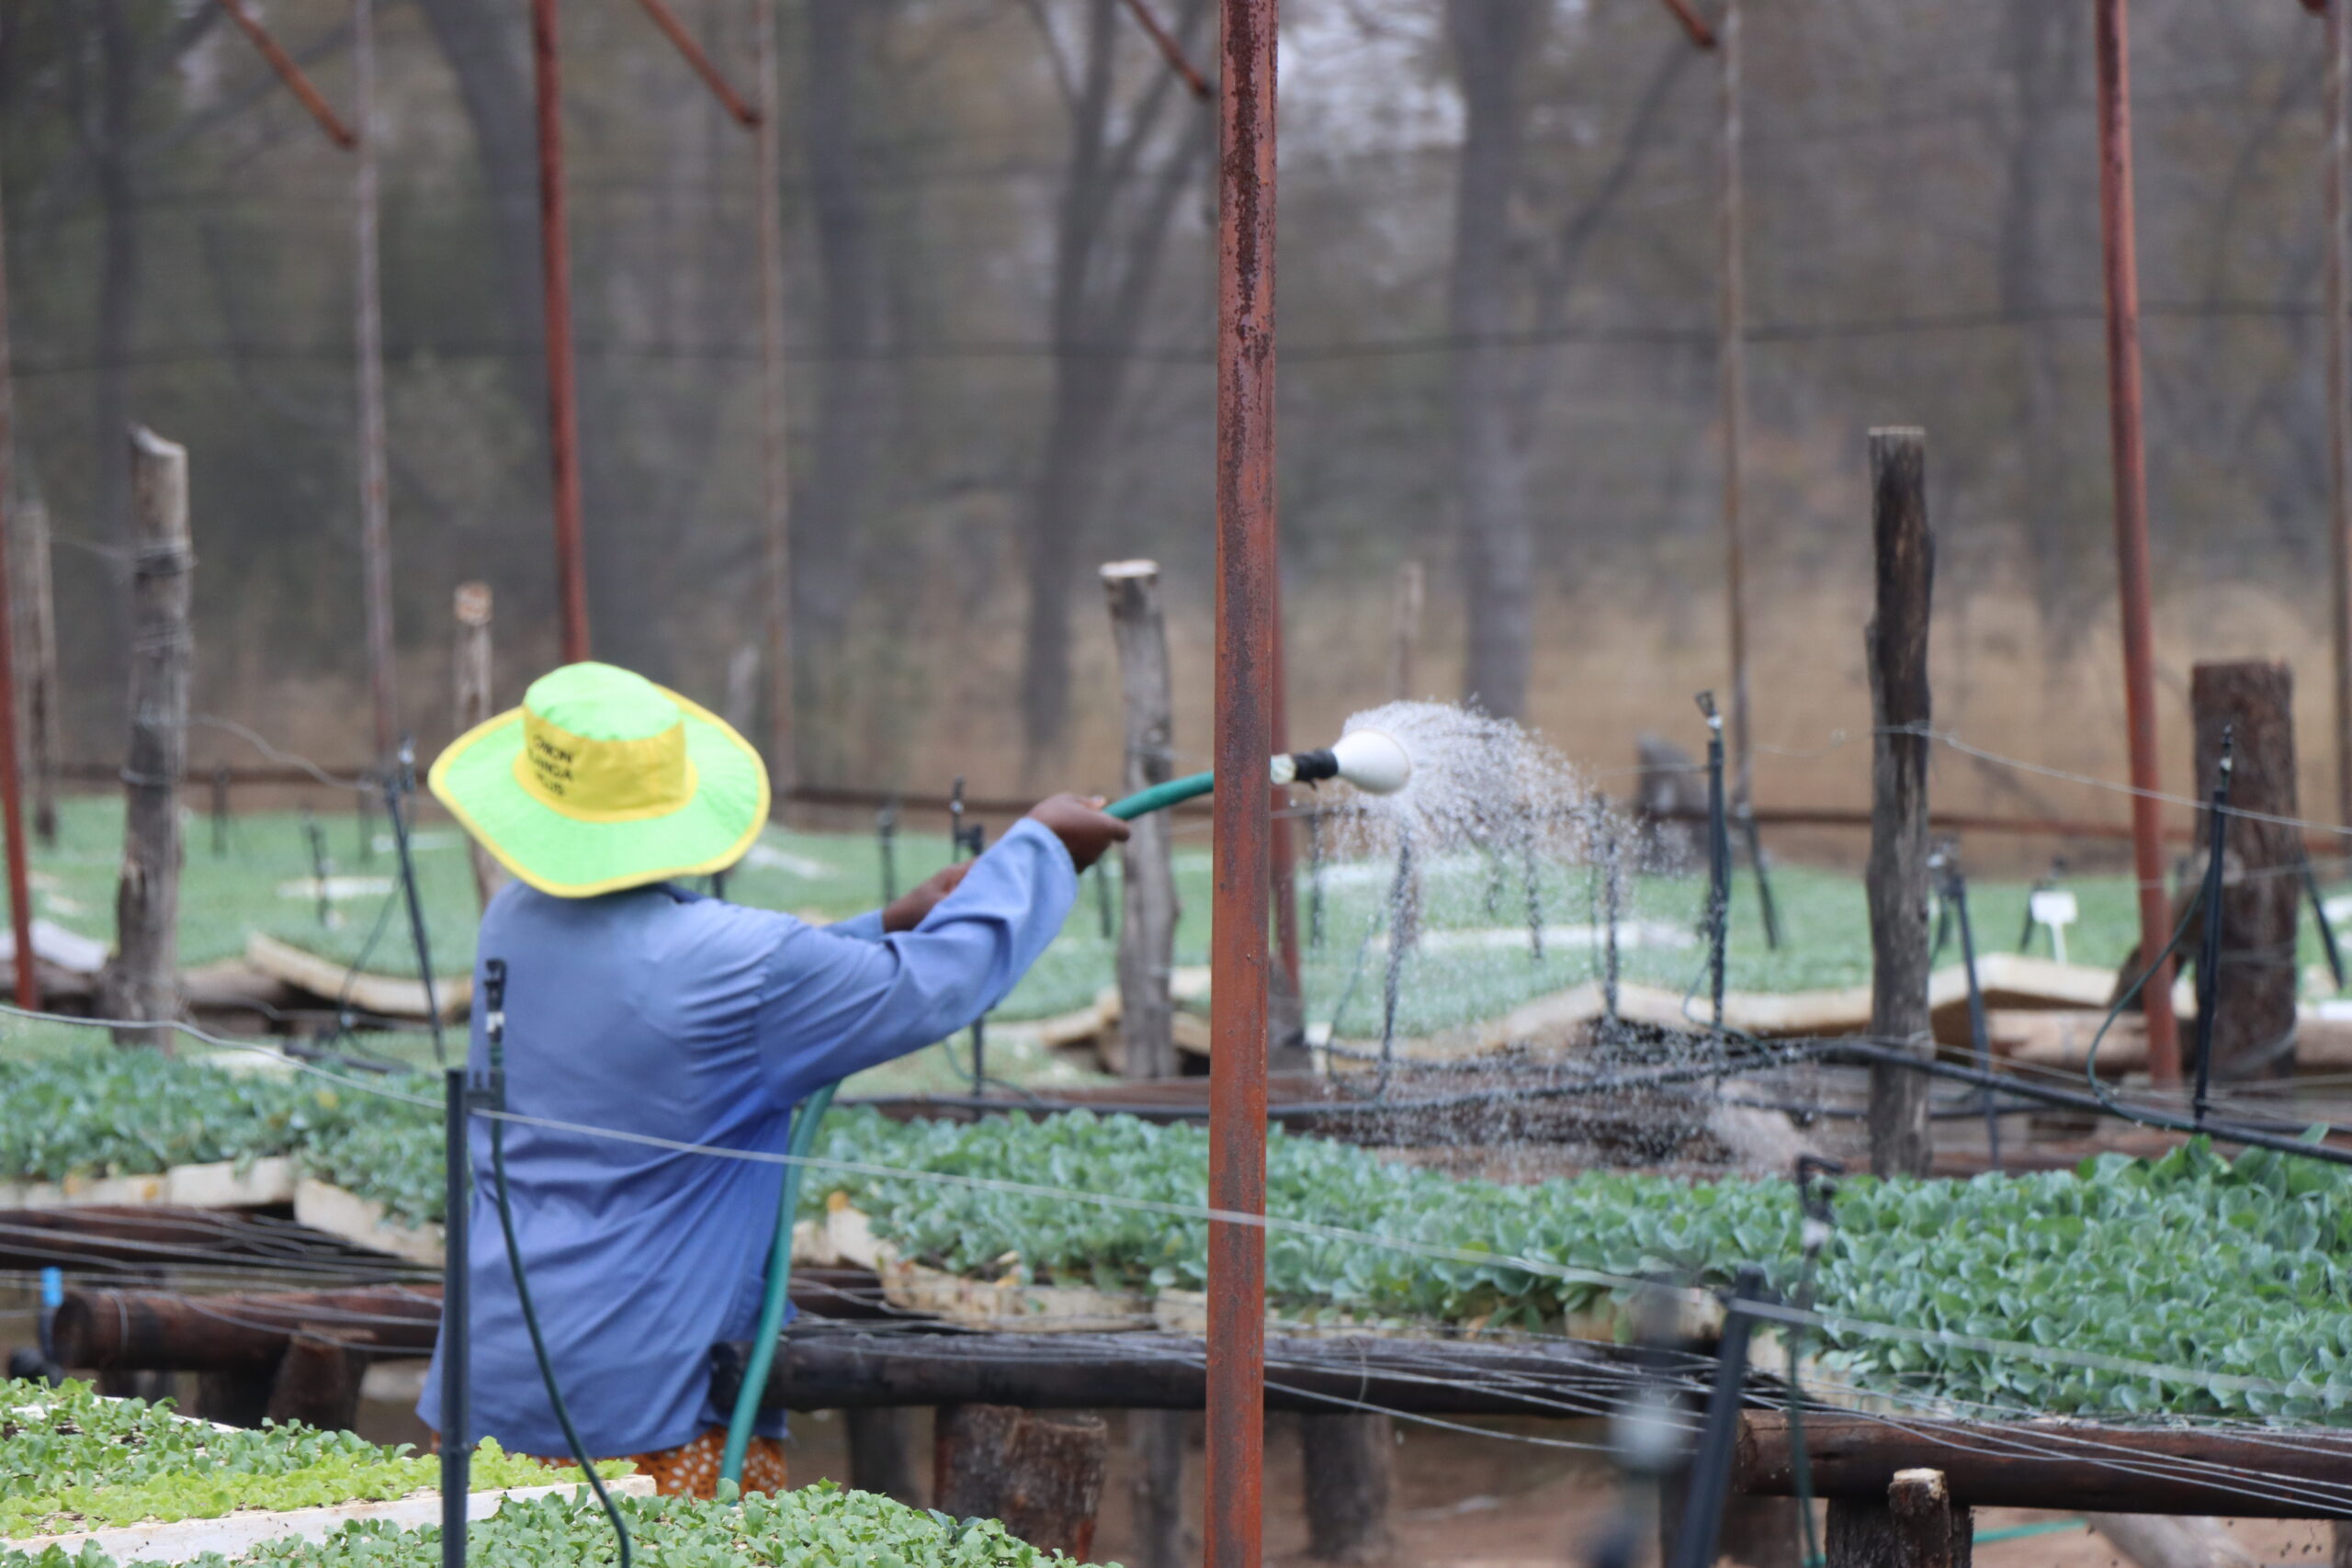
x: 691, y: 1470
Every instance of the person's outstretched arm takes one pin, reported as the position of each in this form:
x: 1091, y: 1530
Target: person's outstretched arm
x: 836, y: 1004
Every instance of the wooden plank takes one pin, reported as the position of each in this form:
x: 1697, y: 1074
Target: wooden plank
x: 386, y: 996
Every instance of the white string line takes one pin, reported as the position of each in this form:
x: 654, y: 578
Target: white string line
x: 1541, y: 1268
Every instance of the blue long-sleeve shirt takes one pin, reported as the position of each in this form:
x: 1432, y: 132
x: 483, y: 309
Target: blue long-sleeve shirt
x: 655, y: 1011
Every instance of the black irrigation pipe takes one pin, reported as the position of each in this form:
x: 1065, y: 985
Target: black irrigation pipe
x: 2077, y: 1100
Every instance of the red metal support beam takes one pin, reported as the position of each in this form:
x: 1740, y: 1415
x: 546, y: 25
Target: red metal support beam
x: 1244, y: 724
x: 555, y: 272
x: 291, y: 74
x: 1693, y: 24
x: 2134, y: 574
x: 684, y: 42
x: 12, y: 813
x: 1173, y: 53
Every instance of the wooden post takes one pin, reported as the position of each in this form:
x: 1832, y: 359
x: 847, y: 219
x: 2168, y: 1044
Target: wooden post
x: 2253, y: 1023
x: 317, y: 1381
x: 1405, y: 627
x: 2337, y: 214
x: 881, y: 1453
x: 1349, y: 1466
x: 775, y: 480
x: 1156, y: 1439
x: 1147, y: 933
x: 143, y: 979
x: 1041, y: 1475
x: 471, y: 670
x: 36, y: 651
x: 1917, y: 1526
x: 1897, y: 648
x: 2340, y: 1533
x: 375, y: 490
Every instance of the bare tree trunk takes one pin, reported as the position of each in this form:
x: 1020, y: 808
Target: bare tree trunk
x: 1492, y: 39
x: 375, y: 487
x: 1405, y: 627
x: 776, y: 476
x: 849, y: 403
x: 118, y: 270
x: 1147, y: 933
x: 1108, y: 246
x: 1896, y: 646
x: 36, y: 656
x: 142, y: 980
x: 471, y: 671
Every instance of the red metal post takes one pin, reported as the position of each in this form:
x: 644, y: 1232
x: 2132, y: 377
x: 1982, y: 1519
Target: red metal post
x: 1244, y: 719
x: 1173, y: 51
x: 291, y: 74
x: 555, y: 272
x: 684, y: 42
x: 12, y: 813
x: 2133, y: 577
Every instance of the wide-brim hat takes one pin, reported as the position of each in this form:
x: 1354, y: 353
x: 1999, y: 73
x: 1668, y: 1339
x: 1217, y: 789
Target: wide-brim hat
x: 603, y: 780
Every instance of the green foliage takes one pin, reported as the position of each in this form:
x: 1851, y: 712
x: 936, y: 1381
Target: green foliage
x: 71, y: 1461
x: 2239, y: 1267
x: 2236, y: 1268
x: 816, y: 1527
x: 102, y: 1111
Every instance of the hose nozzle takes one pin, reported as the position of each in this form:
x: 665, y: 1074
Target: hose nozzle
x: 1371, y: 760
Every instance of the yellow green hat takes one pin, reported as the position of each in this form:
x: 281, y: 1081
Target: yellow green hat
x: 603, y: 780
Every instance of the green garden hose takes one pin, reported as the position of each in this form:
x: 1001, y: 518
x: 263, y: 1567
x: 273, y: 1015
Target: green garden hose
x: 764, y: 1343
x: 1159, y: 797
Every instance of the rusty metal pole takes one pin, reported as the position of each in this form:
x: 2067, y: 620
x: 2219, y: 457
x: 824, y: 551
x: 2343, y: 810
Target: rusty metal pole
x: 291, y: 74
x: 12, y: 810
x: 2338, y: 213
x: 775, y: 474
x: 2133, y: 576
x: 375, y: 495
x: 555, y: 274
x: 1731, y: 371
x: 699, y: 63
x: 1244, y: 723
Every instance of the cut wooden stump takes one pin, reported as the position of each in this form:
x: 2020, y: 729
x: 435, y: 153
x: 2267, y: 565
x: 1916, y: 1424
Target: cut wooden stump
x: 1041, y: 1475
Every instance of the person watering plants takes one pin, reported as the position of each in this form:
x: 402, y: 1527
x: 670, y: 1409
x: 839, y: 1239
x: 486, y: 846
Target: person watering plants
x: 634, y: 1006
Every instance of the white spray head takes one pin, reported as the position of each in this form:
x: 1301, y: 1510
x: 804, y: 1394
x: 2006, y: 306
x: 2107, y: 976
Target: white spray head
x: 1372, y: 760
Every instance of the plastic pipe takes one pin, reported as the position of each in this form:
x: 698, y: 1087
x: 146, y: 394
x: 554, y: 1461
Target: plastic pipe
x: 764, y: 1343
